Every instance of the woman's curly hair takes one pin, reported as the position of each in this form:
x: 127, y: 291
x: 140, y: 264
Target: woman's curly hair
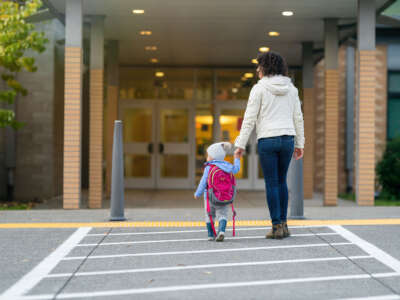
x: 272, y: 63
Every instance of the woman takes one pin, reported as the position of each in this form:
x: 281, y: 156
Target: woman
x: 274, y: 108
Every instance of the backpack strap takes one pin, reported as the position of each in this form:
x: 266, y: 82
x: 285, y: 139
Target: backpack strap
x: 212, y: 167
x: 233, y: 219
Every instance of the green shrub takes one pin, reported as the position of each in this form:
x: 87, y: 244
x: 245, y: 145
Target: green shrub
x: 388, y: 170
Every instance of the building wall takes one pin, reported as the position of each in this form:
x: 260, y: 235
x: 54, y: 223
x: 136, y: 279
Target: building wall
x: 319, y: 141
x: 35, y: 160
x: 380, y: 121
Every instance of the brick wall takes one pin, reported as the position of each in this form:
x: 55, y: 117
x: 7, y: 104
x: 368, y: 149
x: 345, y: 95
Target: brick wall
x: 35, y: 161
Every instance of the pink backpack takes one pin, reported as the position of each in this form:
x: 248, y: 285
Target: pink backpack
x: 221, y: 190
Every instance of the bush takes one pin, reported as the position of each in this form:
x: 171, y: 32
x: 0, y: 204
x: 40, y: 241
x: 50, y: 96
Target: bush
x: 388, y: 170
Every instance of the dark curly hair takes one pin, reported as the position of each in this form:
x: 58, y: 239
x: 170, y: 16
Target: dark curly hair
x: 272, y: 63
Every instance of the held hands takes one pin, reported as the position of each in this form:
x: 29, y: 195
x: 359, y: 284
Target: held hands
x: 298, y: 153
x: 239, y: 153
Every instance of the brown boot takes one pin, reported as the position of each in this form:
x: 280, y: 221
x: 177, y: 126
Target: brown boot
x: 285, y: 229
x: 276, y: 232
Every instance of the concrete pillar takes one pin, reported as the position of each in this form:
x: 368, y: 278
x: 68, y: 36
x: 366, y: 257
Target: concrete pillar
x: 72, y: 105
x: 331, y: 112
x: 309, y: 115
x: 112, y: 105
x: 365, y: 108
x: 96, y: 112
x: 216, y: 136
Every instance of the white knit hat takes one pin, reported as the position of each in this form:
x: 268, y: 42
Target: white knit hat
x: 218, y: 151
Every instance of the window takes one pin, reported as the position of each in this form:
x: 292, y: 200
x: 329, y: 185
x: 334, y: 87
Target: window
x: 393, y: 117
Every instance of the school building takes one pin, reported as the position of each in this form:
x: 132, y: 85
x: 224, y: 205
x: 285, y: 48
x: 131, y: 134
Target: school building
x: 178, y: 73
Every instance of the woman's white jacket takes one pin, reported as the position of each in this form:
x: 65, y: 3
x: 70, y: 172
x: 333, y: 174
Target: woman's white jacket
x: 274, y: 108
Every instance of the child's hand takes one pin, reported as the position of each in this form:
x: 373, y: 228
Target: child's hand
x: 238, y: 153
x: 194, y: 195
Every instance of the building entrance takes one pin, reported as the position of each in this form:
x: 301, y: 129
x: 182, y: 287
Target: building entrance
x: 159, y: 141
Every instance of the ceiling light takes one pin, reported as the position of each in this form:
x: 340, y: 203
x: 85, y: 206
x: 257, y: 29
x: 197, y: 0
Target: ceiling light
x: 263, y: 49
x: 154, y: 60
x: 248, y: 75
x: 145, y: 32
x: 254, y: 61
x: 159, y: 74
x: 235, y: 90
x: 138, y: 11
x: 150, y: 48
x: 287, y: 13
x: 273, y: 33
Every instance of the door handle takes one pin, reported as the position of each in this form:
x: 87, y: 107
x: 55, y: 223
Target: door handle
x: 150, y: 148
x: 161, y: 148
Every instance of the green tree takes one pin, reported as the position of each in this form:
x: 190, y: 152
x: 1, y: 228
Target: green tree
x: 17, y: 37
x: 388, y: 170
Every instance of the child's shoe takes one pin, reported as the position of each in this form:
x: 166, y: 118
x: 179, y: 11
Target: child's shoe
x: 221, y: 231
x: 210, y: 232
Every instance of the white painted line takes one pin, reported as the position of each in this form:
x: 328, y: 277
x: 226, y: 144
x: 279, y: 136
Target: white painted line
x: 383, y: 297
x: 369, y: 248
x: 390, y: 274
x: 207, y: 266
x: 204, y: 251
x: 180, y: 288
x: 195, y: 240
x: 194, y: 231
x: 32, y: 278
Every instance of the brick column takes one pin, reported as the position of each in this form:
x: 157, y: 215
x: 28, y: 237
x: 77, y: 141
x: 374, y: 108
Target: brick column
x: 96, y: 112
x: 331, y: 113
x: 365, y: 110
x: 112, y: 105
x: 308, y: 107
x: 72, y: 105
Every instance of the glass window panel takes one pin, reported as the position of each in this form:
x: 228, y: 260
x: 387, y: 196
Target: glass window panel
x: 174, y: 166
x: 231, y: 122
x: 137, y: 165
x: 235, y: 84
x: 174, y: 126
x: 394, y: 82
x: 204, y: 87
x: 393, y: 118
x: 203, y: 140
x: 137, y: 125
x: 142, y: 83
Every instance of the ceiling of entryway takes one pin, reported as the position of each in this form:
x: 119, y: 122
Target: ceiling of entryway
x: 215, y: 32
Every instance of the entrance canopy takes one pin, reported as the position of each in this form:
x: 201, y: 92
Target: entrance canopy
x: 216, y: 33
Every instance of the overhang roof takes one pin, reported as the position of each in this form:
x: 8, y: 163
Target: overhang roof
x: 215, y: 32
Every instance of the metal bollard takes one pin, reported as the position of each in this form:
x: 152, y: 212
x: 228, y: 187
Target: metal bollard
x: 117, y: 176
x: 296, y: 195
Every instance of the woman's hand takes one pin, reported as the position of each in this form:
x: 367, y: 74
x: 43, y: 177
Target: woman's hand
x: 298, y: 153
x: 238, y: 153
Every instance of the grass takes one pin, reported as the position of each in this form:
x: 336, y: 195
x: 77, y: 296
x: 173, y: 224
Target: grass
x: 15, y: 206
x: 378, y: 201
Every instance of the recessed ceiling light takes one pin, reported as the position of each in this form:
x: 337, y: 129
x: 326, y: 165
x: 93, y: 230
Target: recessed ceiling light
x: 287, y: 13
x: 159, y: 74
x: 235, y: 90
x: 273, y: 33
x: 254, y: 61
x: 138, y: 11
x: 263, y: 49
x: 145, y: 32
x: 150, y: 48
x: 154, y: 60
x: 248, y: 75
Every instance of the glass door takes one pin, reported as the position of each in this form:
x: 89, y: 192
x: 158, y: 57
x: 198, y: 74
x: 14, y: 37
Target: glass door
x: 175, y: 145
x: 257, y: 173
x: 139, y: 133
x: 229, y: 121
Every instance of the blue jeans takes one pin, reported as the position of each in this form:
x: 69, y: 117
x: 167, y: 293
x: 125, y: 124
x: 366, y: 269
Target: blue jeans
x: 275, y: 154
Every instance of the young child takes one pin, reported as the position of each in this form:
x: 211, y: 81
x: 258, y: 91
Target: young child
x: 215, y: 155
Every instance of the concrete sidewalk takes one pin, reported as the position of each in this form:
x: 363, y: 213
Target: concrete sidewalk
x: 180, y: 206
